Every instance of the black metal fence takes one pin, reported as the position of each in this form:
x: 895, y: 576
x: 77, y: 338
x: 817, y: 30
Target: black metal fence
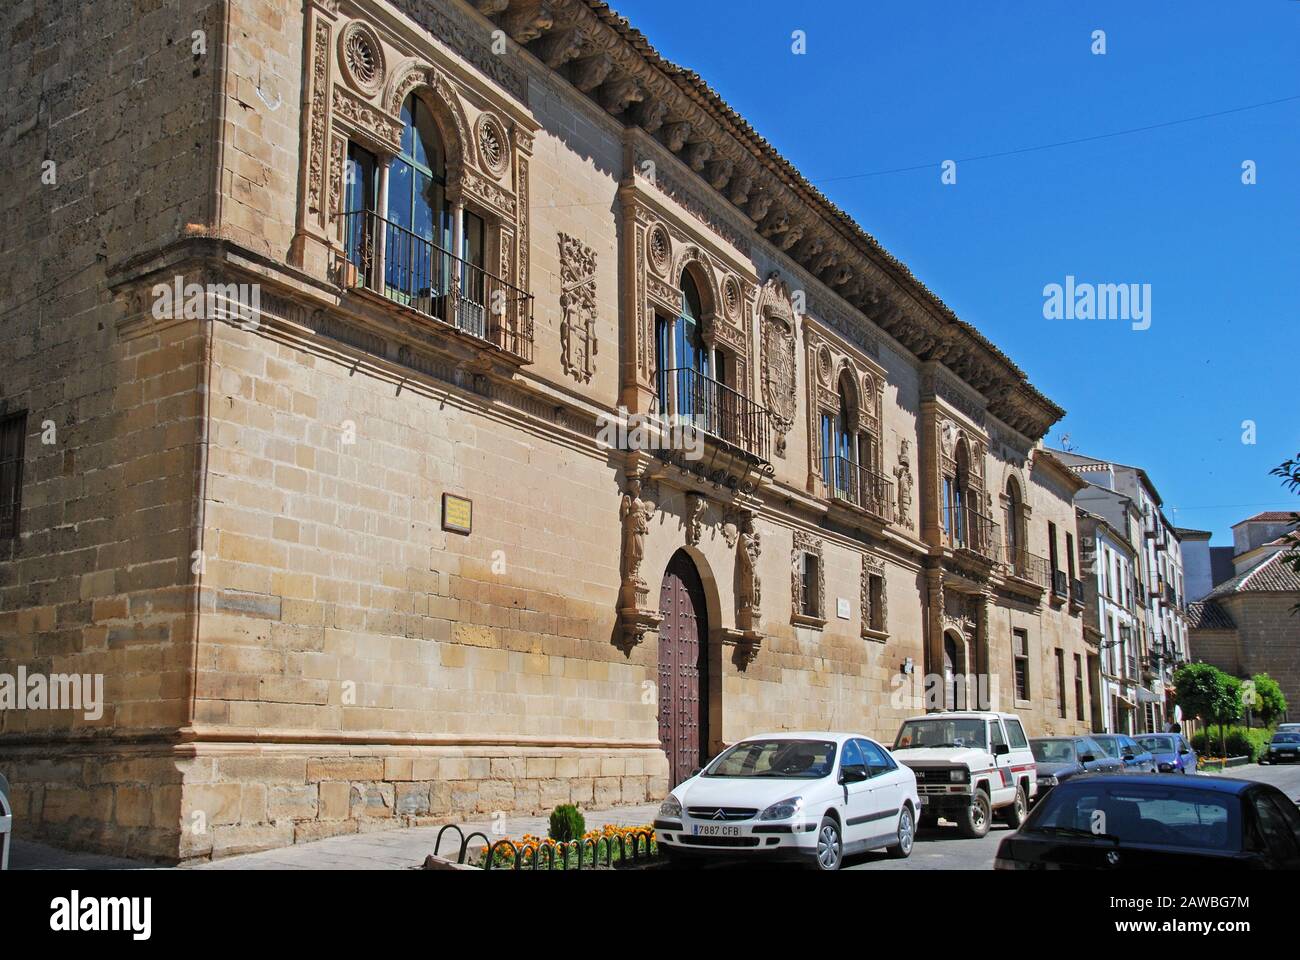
x: 688, y: 396
x: 414, y: 271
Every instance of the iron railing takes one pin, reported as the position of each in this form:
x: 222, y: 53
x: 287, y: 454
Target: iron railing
x: 1026, y: 565
x: 1060, y: 583
x: 409, y: 269
x: 967, y: 529
x: 1078, y: 592
x: 689, y: 396
x: 855, y: 484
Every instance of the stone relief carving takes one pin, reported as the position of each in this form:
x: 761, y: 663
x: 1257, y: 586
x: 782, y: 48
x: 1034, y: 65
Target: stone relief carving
x: 778, y: 359
x: 695, y: 507
x: 903, y: 477
x: 636, y: 616
x: 578, y: 342
x: 749, y: 597
x: 493, y: 145
x: 361, y: 56
x: 319, y: 116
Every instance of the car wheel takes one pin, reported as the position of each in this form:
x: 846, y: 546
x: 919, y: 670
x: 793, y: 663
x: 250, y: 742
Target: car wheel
x: 906, y: 835
x: 1018, y: 810
x: 830, y: 845
x: 974, y: 821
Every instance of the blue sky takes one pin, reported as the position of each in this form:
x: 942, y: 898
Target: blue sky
x: 885, y: 86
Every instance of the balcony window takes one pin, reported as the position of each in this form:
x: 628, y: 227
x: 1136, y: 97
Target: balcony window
x: 405, y: 239
x: 692, y: 380
x: 1020, y: 653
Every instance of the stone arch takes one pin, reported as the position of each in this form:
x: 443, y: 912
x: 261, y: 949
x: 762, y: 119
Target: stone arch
x: 443, y: 102
x: 846, y: 386
x: 693, y: 261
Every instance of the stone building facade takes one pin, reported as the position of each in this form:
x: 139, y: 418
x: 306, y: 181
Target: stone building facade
x: 332, y: 308
x: 1248, y: 622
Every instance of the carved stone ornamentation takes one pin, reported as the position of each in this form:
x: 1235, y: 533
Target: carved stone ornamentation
x: 493, y: 146
x: 361, y: 56
x: 749, y: 594
x: 636, y: 616
x: 903, y: 478
x: 806, y: 543
x: 778, y: 358
x: 873, y: 567
x: 578, y: 343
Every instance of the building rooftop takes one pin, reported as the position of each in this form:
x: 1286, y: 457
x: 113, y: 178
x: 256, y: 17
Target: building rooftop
x: 1208, y: 615
x: 1274, y: 574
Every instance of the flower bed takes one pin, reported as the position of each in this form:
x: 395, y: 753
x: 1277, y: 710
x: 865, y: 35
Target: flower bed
x: 610, y: 846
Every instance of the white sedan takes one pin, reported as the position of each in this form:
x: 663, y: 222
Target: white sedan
x: 814, y: 796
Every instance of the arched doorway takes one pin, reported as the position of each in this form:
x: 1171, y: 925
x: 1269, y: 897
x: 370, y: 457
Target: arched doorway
x: 683, y: 668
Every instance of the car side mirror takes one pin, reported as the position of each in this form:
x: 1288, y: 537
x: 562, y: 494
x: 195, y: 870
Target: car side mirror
x: 853, y: 774
x: 1183, y: 751
x: 1087, y: 758
x: 1001, y: 749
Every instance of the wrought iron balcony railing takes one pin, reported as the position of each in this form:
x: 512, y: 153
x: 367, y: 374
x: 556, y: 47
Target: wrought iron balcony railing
x: 1078, y: 592
x: 689, y: 396
x: 1026, y: 565
x: 1060, y: 583
x: 967, y: 529
x: 852, y: 483
x: 409, y: 269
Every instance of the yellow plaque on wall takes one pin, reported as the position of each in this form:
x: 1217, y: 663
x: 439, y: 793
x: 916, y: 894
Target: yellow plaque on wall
x: 457, y: 513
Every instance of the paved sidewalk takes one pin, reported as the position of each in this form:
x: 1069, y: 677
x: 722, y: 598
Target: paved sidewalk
x: 396, y: 849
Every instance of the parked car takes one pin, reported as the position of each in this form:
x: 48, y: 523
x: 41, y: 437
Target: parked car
x: 970, y: 766
x: 1288, y: 728
x: 1060, y: 758
x: 1131, y: 821
x: 1283, y: 748
x: 1172, y: 752
x: 813, y: 796
x: 1120, y: 746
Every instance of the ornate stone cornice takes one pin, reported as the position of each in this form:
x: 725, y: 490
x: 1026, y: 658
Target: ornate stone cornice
x: 614, y: 64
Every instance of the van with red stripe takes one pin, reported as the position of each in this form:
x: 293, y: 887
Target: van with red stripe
x: 970, y: 766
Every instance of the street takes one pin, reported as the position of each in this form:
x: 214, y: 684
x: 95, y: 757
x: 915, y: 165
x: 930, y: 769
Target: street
x: 945, y: 849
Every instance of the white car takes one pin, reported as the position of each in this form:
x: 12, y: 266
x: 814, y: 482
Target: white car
x: 814, y: 796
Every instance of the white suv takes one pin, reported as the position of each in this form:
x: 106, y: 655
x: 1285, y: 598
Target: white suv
x: 969, y: 766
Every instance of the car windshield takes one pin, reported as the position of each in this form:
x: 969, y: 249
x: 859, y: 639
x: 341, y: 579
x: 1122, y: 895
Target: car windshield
x: 942, y: 733
x: 797, y: 759
x: 1286, y: 738
x: 1158, y: 815
x: 1108, y: 744
x: 1053, y: 751
x: 1157, y: 744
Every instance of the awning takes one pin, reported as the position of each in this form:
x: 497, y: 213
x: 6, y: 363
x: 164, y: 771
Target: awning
x: 1146, y: 696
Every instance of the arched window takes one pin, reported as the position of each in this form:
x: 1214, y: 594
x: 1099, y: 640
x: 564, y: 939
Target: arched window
x: 954, y: 498
x: 685, y: 361
x: 1014, y: 517
x: 419, y: 229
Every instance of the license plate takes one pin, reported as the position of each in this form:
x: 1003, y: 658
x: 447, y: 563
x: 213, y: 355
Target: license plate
x: 924, y: 799
x: 714, y: 830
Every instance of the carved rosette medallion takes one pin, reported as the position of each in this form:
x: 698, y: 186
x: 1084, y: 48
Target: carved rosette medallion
x: 578, y: 344
x: 660, y: 249
x: 493, y: 146
x: 361, y: 57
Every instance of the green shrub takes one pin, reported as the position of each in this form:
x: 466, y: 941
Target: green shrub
x: 567, y: 823
x: 1240, y: 742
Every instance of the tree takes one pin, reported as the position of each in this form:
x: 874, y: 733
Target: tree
x: 1289, y: 471
x: 1269, y: 701
x: 1205, y: 691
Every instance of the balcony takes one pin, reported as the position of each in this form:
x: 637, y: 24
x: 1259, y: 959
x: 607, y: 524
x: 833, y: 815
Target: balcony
x: 388, y: 260
x: 728, y: 417
x: 965, y: 529
x: 1060, y: 584
x: 865, y: 489
x: 1026, y: 566
x: 1078, y: 593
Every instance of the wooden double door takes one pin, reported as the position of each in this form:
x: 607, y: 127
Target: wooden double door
x: 683, y: 668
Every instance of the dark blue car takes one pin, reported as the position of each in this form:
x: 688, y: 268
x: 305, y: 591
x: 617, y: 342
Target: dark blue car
x: 1283, y: 748
x: 1172, y: 753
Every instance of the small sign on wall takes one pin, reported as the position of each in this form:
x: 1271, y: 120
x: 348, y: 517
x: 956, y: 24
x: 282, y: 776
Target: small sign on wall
x: 842, y: 607
x: 457, y: 513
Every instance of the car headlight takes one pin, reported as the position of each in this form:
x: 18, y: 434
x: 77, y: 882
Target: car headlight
x: 1166, y: 767
x: 783, y: 809
x: 671, y: 808
x: 959, y: 776
x: 1048, y: 781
